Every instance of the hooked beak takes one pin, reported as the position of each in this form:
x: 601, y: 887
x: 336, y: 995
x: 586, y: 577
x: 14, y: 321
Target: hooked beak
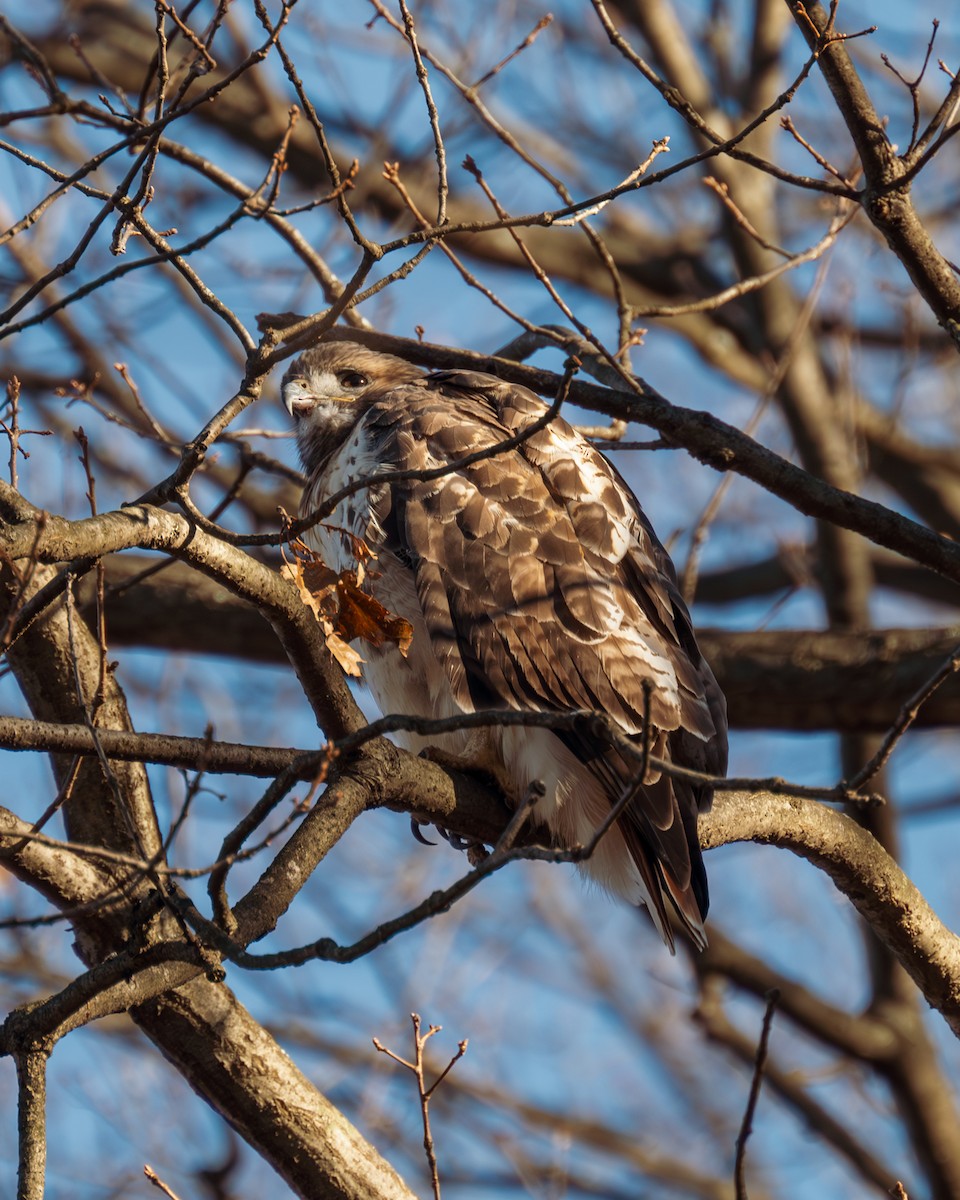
x: 297, y: 399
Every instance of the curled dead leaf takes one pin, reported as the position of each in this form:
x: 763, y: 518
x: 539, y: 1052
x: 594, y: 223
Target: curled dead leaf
x: 346, y: 656
x: 362, y: 615
x: 342, y: 608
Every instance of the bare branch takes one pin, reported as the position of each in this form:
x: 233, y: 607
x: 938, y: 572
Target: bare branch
x: 746, y: 1126
x: 864, y: 872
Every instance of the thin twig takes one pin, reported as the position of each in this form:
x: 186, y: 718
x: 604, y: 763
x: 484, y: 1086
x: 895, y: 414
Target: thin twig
x: 416, y: 1067
x: 531, y: 37
x: 787, y: 124
x: 156, y: 429
x: 89, y: 720
x: 13, y: 431
x: 913, y: 86
x: 158, y: 1182
x: 746, y: 1126
x: 12, y: 626
x: 660, y: 146
x: 64, y: 792
x: 944, y: 116
x: 535, y: 793
x: 752, y: 283
x: 203, y: 52
x: 905, y: 718
x: 434, y: 117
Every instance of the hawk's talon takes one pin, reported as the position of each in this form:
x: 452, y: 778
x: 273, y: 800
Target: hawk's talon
x: 415, y: 827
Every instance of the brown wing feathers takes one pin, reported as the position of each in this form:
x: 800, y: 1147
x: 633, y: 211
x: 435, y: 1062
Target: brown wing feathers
x: 543, y: 631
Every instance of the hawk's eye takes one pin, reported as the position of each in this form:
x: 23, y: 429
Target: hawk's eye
x: 352, y: 379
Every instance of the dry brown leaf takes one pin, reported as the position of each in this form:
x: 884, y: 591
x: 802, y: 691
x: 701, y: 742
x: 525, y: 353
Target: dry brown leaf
x: 362, y: 615
x: 363, y: 554
x: 319, y: 579
x: 346, y: 656
x: 400, y: 630
x: 342, y: 608
x: 294, y: 573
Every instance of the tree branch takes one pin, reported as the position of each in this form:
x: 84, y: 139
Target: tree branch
x: 859, y: 866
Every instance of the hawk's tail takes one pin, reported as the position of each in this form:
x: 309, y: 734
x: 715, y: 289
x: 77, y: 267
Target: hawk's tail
x: 670, y: 863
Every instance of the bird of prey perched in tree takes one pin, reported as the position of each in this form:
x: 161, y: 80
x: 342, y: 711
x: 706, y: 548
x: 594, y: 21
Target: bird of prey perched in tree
x: 533, y: 582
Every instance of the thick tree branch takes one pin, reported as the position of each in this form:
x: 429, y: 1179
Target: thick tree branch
x: 232, y: 1061
x: 861, y: 869
x: 145, y: 527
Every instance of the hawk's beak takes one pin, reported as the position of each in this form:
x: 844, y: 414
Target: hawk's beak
x: 297, y: 399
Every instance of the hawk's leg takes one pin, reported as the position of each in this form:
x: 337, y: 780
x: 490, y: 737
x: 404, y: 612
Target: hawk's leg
x: 475, y: 850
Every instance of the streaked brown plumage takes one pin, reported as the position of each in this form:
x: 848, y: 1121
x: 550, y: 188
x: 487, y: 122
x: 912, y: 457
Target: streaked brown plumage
x: 533, y: 581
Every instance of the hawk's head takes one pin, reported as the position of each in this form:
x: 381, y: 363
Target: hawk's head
x: 328, y: 388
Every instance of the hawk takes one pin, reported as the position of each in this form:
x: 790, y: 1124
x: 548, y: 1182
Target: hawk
x: 533, y: 582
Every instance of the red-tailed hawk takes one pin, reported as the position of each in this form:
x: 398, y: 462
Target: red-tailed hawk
x: 533, y: 581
